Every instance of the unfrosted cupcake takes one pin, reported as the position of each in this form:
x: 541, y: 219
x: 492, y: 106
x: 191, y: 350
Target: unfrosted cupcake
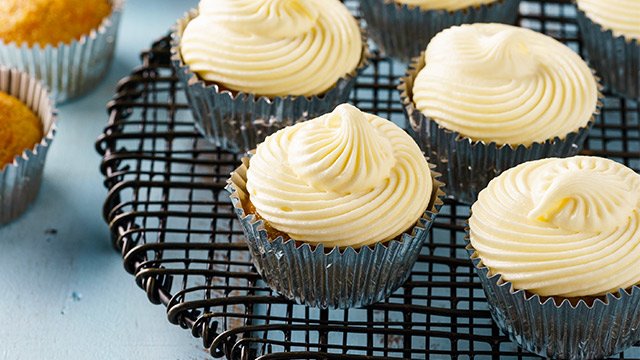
x: 27, y: 127
x: 610, y: 31
x: 486, y: 97
x: 252, y: 67
x: 556, y: 243
x: 335, y: 210
x: 68, y: 44
x: 402, y: 28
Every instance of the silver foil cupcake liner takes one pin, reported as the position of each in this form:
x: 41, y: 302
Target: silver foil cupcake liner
x: 331, y: 278
x: 467, y: 166
x: 615, y: 58
x: 68, y: 70
x: 403, y: 31
x: 238, y: 121
x: 561, y: 328
x: 20, y: 181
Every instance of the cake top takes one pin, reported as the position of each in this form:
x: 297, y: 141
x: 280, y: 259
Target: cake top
x: 561, y: 227
x: 450, y: 5
x: 50, y: 21
x: 620, y: 16
x: 504, y: 84
x: 20, y: 129
x: 273, y: 47
x: 346, y: 178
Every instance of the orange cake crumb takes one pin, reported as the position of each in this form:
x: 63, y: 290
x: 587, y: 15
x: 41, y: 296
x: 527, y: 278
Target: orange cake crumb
x: 20, y: 128
x: 50, y: 21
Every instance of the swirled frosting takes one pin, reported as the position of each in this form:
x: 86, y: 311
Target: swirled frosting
x: 344, y: 179
x: 272, y: 47
x: 450, y: 5
x: 504, y: 84
x: 620, y: 16
x: 561, y: 227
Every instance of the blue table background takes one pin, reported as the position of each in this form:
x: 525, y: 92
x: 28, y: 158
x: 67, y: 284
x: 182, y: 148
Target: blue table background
x: 64, y: 292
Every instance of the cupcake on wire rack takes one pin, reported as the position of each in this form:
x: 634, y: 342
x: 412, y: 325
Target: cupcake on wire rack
x: 486, y: 97
x: 335, y: 210
x: 556, y: 243
x: 610, y: 31
x: 402, y: 28
x: 252, y: 67
x: 27, y: 127
x: 68, y: 44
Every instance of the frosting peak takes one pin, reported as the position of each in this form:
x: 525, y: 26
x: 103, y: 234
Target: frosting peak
x: 341, y: 152
x: 561, y: 227
x: 585, y: 196
x: 347, y: 178
x: 272, y: 18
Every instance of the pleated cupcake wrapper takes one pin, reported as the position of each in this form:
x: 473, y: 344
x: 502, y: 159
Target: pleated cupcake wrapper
x: 20, y: 180
x: 238, y: 121
x: 467, y: 166
x: 559, y: 328
x: 403, y: 31
x: 615, y: 58
x: 331, y: 278
x: 68, y: 70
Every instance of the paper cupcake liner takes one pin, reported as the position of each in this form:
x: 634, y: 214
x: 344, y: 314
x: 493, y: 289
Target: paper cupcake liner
x: 20, y: 180
x: 331, y: 278
x: 238, y: 121
x: 560, y: 328
x: 467, y: 166
x: 615, y: 58
x: 68, y: 70
x: 403, y: 31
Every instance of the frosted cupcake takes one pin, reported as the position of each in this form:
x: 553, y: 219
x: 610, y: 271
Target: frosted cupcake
x: 556, y: 243
x: 68, y: 44
x: 486, y: 97
x: 402, y: 28
x: 27, y: 127
x: 335, y: 210
x: 252, y: 67
x: 610, y: 31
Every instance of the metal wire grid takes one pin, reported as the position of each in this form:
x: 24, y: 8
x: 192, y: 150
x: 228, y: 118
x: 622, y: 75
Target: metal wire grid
x: 174, y: 225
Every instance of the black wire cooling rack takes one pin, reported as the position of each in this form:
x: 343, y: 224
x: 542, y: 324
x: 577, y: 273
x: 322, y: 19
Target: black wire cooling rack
x: 174, y: 225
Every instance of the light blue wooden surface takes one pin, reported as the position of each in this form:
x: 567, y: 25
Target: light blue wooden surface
x: 67, y: 296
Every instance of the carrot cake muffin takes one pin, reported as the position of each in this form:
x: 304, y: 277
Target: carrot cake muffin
x: 50, y: 21
x: 20, y: 129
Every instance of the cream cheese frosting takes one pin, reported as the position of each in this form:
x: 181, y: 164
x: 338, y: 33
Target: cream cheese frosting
x: 561, y: 227
x: 504, y: 84
x: 273, y: 47
x: 344, y: 179
x: 622, y: 17
x: 450, y: 5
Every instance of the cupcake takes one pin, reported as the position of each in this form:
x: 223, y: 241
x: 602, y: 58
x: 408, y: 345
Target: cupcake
x: 68, y: 44
x: 335, y: 210
x: 486, y: 97
x: 27, y: 118
x: 556, y: 243
x: 610, y: 31
x: 252, y: 67
x: 402, y: 28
